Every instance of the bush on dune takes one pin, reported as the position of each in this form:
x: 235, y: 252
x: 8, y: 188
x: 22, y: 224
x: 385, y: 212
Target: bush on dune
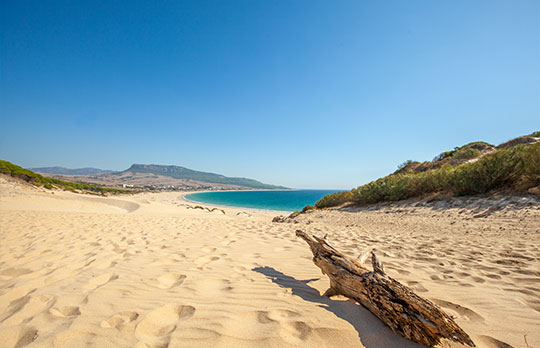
x: 515, y: 168
x: 467, y: 153
x: 334, y: 199
x: 36, y: 179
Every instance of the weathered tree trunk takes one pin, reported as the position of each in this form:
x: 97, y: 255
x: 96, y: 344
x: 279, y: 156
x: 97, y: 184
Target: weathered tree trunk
x: 406, y: 313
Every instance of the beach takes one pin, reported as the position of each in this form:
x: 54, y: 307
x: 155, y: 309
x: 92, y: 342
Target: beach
x: 149, y: 270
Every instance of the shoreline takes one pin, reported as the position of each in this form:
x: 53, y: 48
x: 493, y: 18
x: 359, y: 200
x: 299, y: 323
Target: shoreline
x: 490, y: 203
x: 231, y: 206
x: 243, y: 207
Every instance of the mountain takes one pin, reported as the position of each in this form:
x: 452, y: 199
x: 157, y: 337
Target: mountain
x: 154, y: 177
x: 68, y: 171
x: 190, y: 174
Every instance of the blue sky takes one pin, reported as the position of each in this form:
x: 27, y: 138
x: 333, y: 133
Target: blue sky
x: 311, y: 94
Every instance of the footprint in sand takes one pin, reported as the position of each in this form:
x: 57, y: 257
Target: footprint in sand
x: 26, y: 307
x: 282, y: 314
x: 154, y: 330
x: 169, y: 280
x: 208, y: 249
x: 239, y: 269
x: 264, y: 318
x: 66, y: 311
x: 18, y: 336
x: 119, y: 319
x: 295, y: 332
x: 228, y: 242
x: 101, y: 280
x: 166, y: 261
x: 203, y: 260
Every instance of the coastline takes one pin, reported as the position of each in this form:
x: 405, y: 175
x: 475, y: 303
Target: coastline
x: 232, y: 205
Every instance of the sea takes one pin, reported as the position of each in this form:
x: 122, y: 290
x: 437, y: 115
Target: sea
x: 279, y: 200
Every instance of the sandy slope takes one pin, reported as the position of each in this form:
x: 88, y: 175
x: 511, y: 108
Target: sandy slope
x: 147, y: 271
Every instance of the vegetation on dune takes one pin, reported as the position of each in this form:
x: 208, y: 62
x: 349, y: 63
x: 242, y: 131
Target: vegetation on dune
x: 459, y: 155
x: 467, y: 154
x: 334, y: 199
x: 307, y: 207
x: 515, y: 168
x: 466, y: 151
x: 29, y: 176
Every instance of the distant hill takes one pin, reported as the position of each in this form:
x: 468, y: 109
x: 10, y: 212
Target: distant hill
x: 190, y: 174
x: 35, y: 179
x: 67, y: 171
x: 154, y: 177
x: 474, y: 168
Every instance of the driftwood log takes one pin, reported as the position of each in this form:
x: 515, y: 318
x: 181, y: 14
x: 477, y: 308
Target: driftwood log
x: 406, y: 313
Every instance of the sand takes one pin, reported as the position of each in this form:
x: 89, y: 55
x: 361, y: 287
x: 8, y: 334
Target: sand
x: 148, y: 271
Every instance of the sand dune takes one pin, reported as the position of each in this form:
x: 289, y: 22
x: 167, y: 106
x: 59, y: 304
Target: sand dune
x: 147, y: 271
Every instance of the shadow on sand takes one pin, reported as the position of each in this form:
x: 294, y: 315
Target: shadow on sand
x: 372, y: 332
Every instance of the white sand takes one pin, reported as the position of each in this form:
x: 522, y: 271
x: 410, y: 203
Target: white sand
x: 146, y: 271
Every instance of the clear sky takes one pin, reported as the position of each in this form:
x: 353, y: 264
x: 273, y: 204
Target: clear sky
x: 310, y: 94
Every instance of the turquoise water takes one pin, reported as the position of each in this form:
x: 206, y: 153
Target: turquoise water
x: 283, y: 200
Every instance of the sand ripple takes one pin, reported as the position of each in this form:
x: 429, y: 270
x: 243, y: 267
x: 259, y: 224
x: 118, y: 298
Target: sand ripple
x: 145, y: 271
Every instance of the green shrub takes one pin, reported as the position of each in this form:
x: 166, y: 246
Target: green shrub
x: 333, y: 199
x: 444, y: 155
x: 467, y: 153
x: 29, y: 176
x: 307, y: 207
x: 516, y: 168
